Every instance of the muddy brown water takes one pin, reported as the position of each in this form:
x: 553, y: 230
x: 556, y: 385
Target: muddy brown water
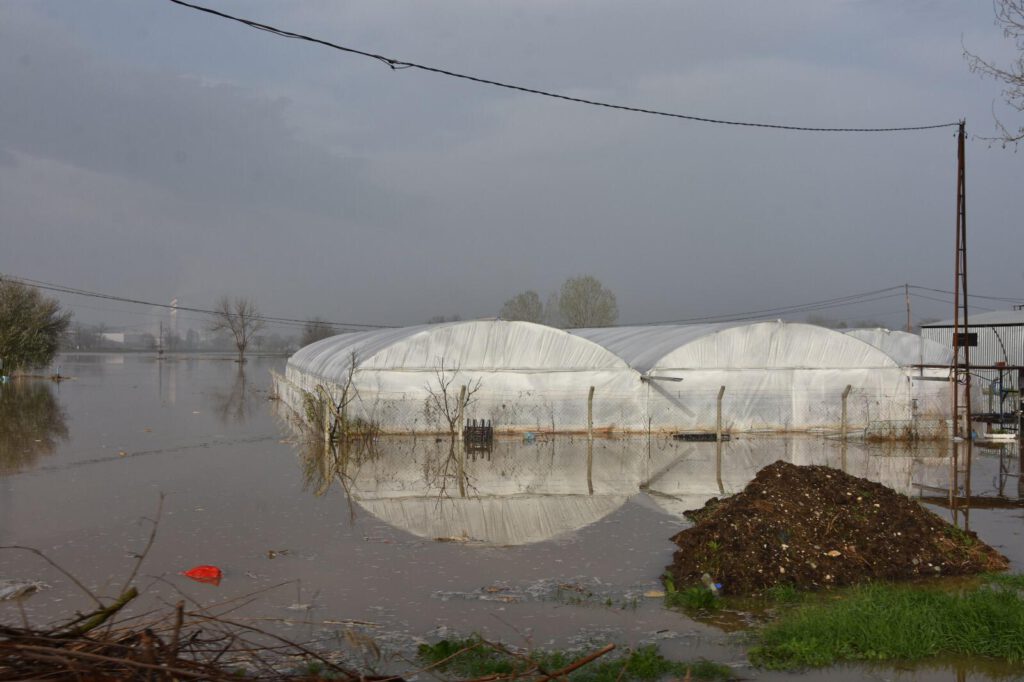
x: 384, y: 543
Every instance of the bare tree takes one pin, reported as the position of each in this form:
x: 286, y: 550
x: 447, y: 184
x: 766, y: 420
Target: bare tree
x: 585, y: 302
x: 239, y: 317
x: 1009, y: 17
x: 316, y: 329
x: 329, y: 412
x: 525, y: 306
x: 444, y: 395
x: 552, y: 315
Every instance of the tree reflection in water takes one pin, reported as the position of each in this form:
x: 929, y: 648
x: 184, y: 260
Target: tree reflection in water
x: 235, y: 405
x: 32, y: 423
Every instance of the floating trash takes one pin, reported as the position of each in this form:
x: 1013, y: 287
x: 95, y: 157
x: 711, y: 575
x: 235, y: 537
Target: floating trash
x: 204, y: 574
x: 15, y: 589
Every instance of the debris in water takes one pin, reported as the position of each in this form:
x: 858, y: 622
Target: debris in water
x: 15, y: 589
x: 699, y: 436
x: 205, y: 574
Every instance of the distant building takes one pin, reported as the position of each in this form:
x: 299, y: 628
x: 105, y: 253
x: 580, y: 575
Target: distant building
x: 113, y: 338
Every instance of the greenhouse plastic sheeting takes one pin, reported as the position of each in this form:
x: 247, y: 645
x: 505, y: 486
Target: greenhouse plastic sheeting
x: 905, y: 348
x: 777, y: 376
x: 520, y: 375
x: 931, y: 396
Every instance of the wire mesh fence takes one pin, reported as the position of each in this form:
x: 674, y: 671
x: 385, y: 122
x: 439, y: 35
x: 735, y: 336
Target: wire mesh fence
x: 470, y: 407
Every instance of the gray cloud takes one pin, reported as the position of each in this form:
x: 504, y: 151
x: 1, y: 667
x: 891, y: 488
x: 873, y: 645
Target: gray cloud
x: 148, y: 150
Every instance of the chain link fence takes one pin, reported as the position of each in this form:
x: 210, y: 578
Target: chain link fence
x: 654, y: 408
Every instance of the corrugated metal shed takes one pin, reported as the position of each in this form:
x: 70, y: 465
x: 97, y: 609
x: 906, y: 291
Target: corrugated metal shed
x: 1000, y: 336
x: 1000, y: 339
x: 999, y: 318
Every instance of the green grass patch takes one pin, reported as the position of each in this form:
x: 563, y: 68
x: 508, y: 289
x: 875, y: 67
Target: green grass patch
x: 693, y: 598
x: 886, y: 622
x: 784, y: 594
x: 472, y: 657
x: 1014, y: 581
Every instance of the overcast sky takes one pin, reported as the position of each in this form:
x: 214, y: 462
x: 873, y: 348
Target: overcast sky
x: 152, y: 151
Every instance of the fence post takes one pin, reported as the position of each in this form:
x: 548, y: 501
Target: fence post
x: 718, y: 417
x: 1020, y: 413
x: 846, y: 394
x: 590, y: 441
x: 327, y: 423
x: 460, y: 424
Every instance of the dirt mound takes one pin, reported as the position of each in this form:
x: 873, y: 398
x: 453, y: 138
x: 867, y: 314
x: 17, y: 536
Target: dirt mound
x: 815, y: 527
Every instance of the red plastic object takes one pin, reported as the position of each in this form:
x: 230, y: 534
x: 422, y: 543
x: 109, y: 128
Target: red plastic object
x: 205, y: 574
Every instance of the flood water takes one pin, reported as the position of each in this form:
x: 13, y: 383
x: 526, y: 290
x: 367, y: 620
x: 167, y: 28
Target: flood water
x: 542, y: 545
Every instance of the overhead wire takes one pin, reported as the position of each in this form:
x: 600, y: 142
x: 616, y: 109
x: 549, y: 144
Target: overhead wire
x: 163, y: 316
x: 1005, y: 299
x: 50, y: 286
x: 395, y: 64
x: 941, y: 300
x: 862, y: 297
x: 779, y: 311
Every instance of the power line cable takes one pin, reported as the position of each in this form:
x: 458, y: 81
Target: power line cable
x: 782, y: 310
x: 811, y: 306
x: 975, y: 306
x: 49, y: 286
x: 400, y: 64
x: 1005, y: 299
x: 163, y: 316
x: 865, y: 297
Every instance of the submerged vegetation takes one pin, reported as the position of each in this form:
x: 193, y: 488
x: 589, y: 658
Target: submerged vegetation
x: 324, y: 418
x: 692, y: 598
x: 474, y: 657
x: 881, y: 622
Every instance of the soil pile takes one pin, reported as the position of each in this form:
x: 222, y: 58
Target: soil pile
x: 814, y: 527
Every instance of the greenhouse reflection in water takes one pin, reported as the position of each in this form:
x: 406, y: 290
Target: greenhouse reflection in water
x: 521, y: 492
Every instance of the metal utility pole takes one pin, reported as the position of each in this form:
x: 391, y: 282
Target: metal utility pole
x: 906, y: 297
x: 961, y: 327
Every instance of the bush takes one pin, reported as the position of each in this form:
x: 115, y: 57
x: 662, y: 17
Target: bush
x: 31, y: 326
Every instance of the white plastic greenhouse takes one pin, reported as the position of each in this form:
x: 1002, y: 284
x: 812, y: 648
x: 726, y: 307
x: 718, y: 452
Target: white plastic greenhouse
x: 778, y: 376
x: 930, y: 386
x: 905, y: 348
x: 522, y: 376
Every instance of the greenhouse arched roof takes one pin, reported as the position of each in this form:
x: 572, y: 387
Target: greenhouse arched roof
x: 905, y: 348
x: 479, y: 345
x: 737, y: 345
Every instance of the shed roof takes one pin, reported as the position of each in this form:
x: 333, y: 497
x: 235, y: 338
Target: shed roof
x: 992, y: 318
